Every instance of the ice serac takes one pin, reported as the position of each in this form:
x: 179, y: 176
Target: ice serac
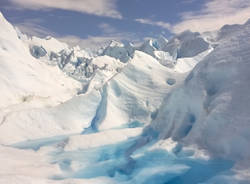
x: 161, y: 42
x: 152, y: 45
x: 86, y: 67
x: 154, y: 48
x: 72, y: 61
x: 183, y: 47
x: 148, y: 47
x: 211, y: 109
x: 120, y: 51
x: 186, y: 44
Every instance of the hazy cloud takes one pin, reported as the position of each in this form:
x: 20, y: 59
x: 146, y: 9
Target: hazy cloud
x: 90, y: 42
x: 162, y: 24
x: 105, y: 8
x: 106, y: 28
x: 31, y: 27
x: 98, y: 41
x: 213, y: 15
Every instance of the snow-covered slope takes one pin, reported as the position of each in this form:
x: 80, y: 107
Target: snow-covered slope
x: 24, y: 78
x: 131, y: 94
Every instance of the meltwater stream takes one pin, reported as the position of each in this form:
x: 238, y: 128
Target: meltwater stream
x: 134, y: 161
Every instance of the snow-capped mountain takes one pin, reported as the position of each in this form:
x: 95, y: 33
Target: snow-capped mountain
x: 162, y: 112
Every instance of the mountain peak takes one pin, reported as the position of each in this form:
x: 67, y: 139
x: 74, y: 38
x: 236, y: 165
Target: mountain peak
x: 114, y: 43
x: 1, y: 15
x: 2, y: 19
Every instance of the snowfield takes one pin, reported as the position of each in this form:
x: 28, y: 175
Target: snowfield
x: 165, y: 112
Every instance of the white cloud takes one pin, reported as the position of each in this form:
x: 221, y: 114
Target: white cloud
x: 105, y: 8
x: 31, y: 27
x: 213, y: 15
x: 98, y: 41
x: 162, y: 24
x: 90, y: 42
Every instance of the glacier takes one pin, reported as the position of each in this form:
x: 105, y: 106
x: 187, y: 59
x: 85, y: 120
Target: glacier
x: 218, y: 106
x: 166, y: 112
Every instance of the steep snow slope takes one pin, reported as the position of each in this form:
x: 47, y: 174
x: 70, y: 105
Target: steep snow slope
x: 211, y: 109
x: 25, y: 79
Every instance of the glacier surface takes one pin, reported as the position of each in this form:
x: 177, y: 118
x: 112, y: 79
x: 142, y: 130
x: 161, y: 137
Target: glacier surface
x: 166, y: 112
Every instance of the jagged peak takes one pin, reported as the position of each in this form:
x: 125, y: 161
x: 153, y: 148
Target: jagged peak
x: 48, y: 38
x: 114, y: 43
x: 163, y: 38
x: 7, y: 30
x: 3, y: 19
x: 1, y: 15
x: 248, y: 21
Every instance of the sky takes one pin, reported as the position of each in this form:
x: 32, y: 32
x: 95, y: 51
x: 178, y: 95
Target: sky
x: 87, y: 22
